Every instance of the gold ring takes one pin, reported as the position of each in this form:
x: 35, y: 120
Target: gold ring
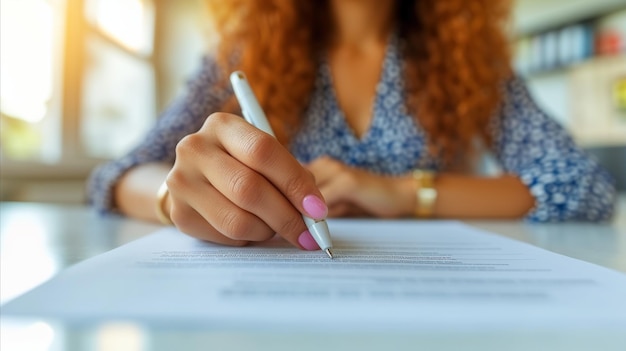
x: 161, y: 214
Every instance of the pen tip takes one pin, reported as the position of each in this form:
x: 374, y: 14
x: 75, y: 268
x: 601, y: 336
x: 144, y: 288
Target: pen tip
x: 330, y: 254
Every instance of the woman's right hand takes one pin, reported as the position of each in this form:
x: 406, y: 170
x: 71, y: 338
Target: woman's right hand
x: 233, y: 184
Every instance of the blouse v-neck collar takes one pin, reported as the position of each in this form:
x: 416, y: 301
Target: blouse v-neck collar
x: 390, y: 58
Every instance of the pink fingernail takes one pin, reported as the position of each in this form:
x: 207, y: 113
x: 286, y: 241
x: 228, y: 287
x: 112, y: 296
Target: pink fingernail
x: 315, y: 207
x: 306, y: 240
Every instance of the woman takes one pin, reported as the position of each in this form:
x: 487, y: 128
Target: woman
x: 363, y: 93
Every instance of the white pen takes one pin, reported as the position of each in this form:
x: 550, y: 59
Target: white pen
x: 253, y: 113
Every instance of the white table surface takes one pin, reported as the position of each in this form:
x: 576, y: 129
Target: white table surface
x: 40, y: 240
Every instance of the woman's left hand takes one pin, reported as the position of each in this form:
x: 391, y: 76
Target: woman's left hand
x: 353, y: 192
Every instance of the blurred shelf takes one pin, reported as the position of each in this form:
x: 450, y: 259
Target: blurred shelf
x: 565, y: 69
x: 531, y: 16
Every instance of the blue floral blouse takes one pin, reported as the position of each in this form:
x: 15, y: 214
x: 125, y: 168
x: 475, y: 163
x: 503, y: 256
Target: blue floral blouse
x: 566, y: 183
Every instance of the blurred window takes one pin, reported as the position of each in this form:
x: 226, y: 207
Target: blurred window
x: 29, y: 58
x: 118, y: 100
x: 77, y: 81
x: 129, y: 22
x: 118, y: 85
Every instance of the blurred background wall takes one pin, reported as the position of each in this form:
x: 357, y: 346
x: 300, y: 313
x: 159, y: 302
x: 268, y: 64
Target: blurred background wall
x: 83, y: 80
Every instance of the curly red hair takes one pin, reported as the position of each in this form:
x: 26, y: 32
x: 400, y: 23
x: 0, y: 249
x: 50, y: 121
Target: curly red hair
x: 456, y: 56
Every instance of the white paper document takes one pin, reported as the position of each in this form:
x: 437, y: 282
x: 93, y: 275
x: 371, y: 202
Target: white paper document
x: 387, y: 275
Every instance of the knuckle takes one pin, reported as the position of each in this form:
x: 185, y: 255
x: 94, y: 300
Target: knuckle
x: 243, y: 184
x: 233, y: 225
x: 189, y: 145
x: 215, y: 119
x: 176, y: 180
x: 260, y: 148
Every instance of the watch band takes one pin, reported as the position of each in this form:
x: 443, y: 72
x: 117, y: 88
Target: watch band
x: 426, y: 193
